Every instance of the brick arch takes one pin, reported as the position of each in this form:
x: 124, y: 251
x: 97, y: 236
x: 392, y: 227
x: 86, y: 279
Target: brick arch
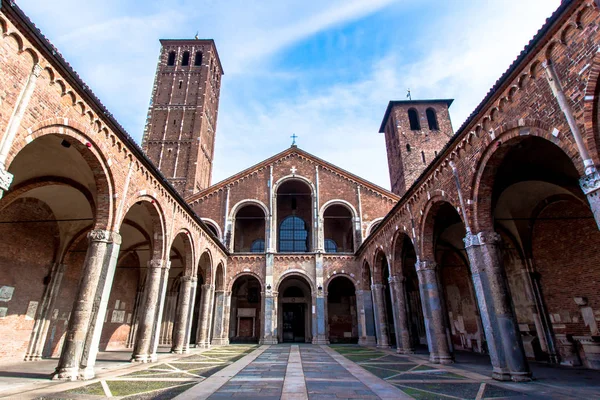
x: 240, y: 204
x: 338, y: 202
x: 97, y: 162
x: 207, y: 275
x: 220, y: 277
x: 591, y: 110
x: 491, y: 158
x: 366, y: 275
x: 339, y: 275
x: 158, y: 223
x: 399, y: 236
x: 377, y: 276
x: 297, y: 273
x: 426, y: 244
x: 188, y: 244
x: 292, y: 178
x: 233, y: 279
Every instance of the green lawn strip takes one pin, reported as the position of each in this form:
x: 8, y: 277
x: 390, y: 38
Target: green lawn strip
x: 423, y: 367
x: 189, y: 366
x: 95, y: 389
x: 125, y: 388
x: 456, y: 390
x: 421, y: 395
x: 164, y: 394
x: 206, y: 372
x: 382, y: 373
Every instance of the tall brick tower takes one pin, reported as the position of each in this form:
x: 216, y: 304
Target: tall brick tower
x: 182, y: 119
x: 415, y: 131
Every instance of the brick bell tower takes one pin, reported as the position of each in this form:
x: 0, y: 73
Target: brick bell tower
x: 179, y: 136
x: 415, y: 131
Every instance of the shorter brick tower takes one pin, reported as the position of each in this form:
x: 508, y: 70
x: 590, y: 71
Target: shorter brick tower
x: 182, y: 119
x: 415, y: 131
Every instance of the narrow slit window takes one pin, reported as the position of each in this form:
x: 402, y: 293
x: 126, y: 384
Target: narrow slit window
x: 423, y: 157
x: 180, y: 83
x: 408, y: 147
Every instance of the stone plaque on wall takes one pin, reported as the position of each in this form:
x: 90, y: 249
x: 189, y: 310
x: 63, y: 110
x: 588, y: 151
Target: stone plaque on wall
x: 118, y: 316
x: 246, y: 312
x: 3, y: 311
x: 6, y: 293
x: 31, y: 310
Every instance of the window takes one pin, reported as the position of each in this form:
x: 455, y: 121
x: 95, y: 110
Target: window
x: 408, y: 147
x: 423, y: 157
x: 258, y: 246
x: 171, y: 60
x: 432, y: 120
x: 293, y: 236
x: 185, y: 60
x: 413, y: 118
x: 180, y: 83
x: 198, y: 59
x: 330, y: 246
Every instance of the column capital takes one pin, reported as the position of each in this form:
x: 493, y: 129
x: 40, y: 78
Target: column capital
x: 37, y: 70
x: 376, y: 286
x: 590, y: 183
x: 207, y: 286
x: 481, y: 238
x: 425, y: 265
x: 396, y: 279
x: 188, y: 279
x: 6, y: 178
x: 101, y: 235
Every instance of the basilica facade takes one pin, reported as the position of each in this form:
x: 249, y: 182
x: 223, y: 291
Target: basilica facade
x: 487, y: 242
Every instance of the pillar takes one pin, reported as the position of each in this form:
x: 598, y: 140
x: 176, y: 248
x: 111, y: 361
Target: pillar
x: 190, y: 317
x: 180, y: 328
x: 206, y: 316
x: 269, y: 335
x: 364, y: 305
x: 220, y: 329
x: 403, y: 344
x: 380, y: 318
x: 431, y: 297
x: 42, y: 323
x: 82, y: 338
x: 499, y: 323
x: 13, y: 126
x: 151, y: 304
x: 319, y: 319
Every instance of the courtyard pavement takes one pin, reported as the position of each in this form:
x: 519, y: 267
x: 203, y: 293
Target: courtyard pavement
x: 298, y: 372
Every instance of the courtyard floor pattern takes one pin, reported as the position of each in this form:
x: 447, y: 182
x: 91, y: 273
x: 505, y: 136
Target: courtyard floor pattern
x: 160, y: 381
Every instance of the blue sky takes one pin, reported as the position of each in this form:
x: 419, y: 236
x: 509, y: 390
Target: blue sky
x: 324, y: 70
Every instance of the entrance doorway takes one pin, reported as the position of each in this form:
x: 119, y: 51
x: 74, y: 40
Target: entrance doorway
x: 293, y: 323
x: 294, y: 319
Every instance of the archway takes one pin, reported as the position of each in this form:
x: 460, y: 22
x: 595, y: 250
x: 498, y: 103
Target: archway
x: 382, y: 296
x: 294, y: 217
x: 245, y: 317
x: 549, y: 236
x: 249, y: 232
x: 338, y: 229
x: 365, y: 305
x: 294, y: 310
x: 218, y: 331
x: 203, y: 273
x: 341, y: 311
x: 51, y: 206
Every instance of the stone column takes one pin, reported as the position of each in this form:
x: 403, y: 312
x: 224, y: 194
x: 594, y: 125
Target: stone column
x: 364, y: 304
x: 431, y: 298
x: 318, y: 302
x: 206, y: 316
x: 181, y: 325
x: 143, y: 348
x: 13, y: 126
x: 270, y: 317
x: 80, y: 347
x: 42, y: 322
x: 190, y: 315
x: 381, y: 328
x: 403, y: 343
x: 499, y: 323
x: 220, y: 329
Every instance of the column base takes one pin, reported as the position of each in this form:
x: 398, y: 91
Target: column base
x: 177, y: 351
x: 367, y: 341
x: 521, y: 376
x: 220, y: 342
x: 405, y: 351
x: 87, y: 374
x: 32, y: 357
x: 144, y: 358
x: 66, y: 374
x: 444, y: 360
x: 268, y: 341
x: 501, y: 374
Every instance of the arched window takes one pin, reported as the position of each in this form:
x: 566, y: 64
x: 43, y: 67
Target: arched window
x: 293, y: 235
x: 258, y: 246
x: 330, y: 246
x: 185, y: 60
x: 198, y: 59
x: 413, y: 117
x: 432, y: 120
x: 171, y: 60
x: 408, y: 147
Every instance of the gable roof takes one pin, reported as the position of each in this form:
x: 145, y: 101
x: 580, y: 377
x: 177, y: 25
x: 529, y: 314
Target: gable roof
x: 293, y: 150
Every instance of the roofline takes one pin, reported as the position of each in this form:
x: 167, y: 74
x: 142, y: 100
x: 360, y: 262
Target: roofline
x: 502, y: 81
x: 277, y: 156
x: 53, y: 55
x: 393, y: 103
x: 192, y: 41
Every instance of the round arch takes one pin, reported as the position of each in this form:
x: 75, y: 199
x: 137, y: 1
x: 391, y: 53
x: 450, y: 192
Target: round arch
x: 205, y: 266
x: 296, y: 273
x: 158, y: 222
x: 399, y: 235
x: 339, y: 275
x: 188, y: 247
x: 426, y: 242
x: 240, y: 204
x: 245, y: 273
x: 372, y: 224
x: 286, y: 178
x: 212, y: 223
x: 339, y: 202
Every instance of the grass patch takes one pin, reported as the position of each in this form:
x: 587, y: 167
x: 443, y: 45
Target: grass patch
x: 126, y: 388
x: 95, y: 389
x: 420, y: 395
x: 165, y: 394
